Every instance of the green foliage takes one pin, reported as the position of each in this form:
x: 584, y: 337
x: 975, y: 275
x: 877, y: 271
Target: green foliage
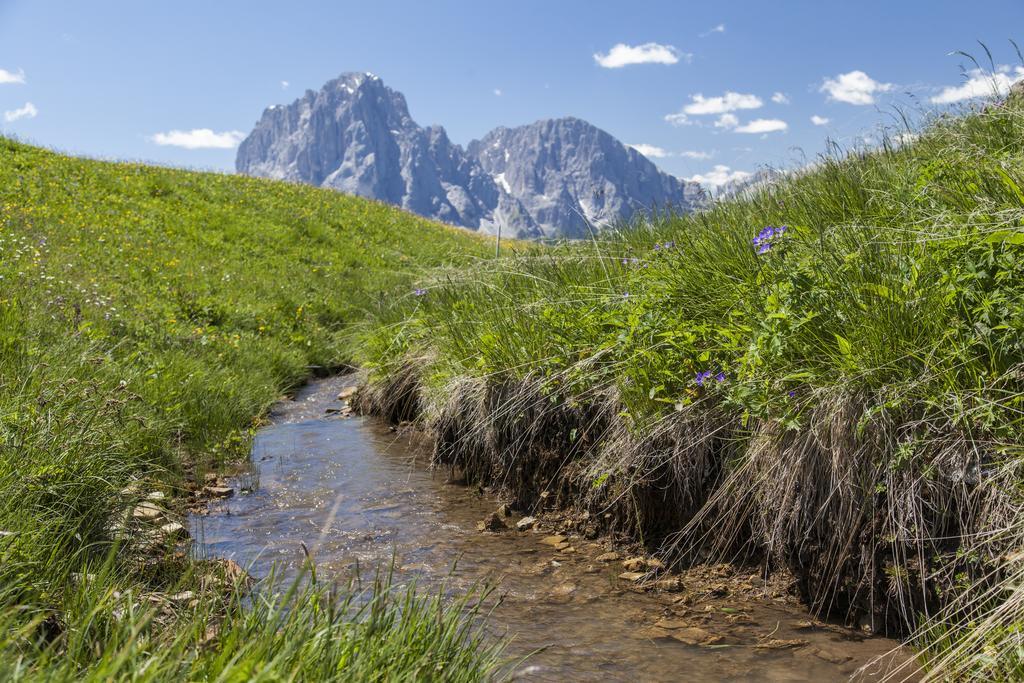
x: 898, y: 280
x: 148, y: 317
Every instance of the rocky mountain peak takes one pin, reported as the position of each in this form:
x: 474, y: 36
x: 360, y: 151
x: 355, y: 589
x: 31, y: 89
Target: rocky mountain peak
x: 549, y: 178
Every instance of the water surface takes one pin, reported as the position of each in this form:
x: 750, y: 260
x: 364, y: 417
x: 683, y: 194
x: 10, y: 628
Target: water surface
x: 358, y: 494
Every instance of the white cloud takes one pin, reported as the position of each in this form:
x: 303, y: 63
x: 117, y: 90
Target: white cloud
x: 695, y: 154
x: 651, y: 151
x: 717, y: 29
x: 284, y: 85
x: 679, y: 119
x: 719, y: 176
x: 727, y: 121
x: 730, y: 101
x: 981, y: 84
x: 855, y: 87
x: 497, y: 92
x: 780, y: 98
x: 819, y: 120
x: 763, y: 126
x: 11, y: 77
x: 199, y: 138
x: 649, y: 53
x: 29, y: 111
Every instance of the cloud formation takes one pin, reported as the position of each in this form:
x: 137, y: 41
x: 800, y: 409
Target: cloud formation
x: 763, y: 126
x: 651, y: 151
x: 696, y: 154
x: 29, y: 111
x: 780, y: 98
x: 727, y: 121
x: 819, y: 120
x: 649, y: 53
x: 719, y: 175
x: 730, y: 101
x: 7, y: 77
x: 199, y: 138
x: 716, y: 29
x: 679, y: 119
x: 854, y: 87
x: 981, y: 83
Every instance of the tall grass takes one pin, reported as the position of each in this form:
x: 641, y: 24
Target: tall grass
x: 148, y: 318
x: 823, y: 376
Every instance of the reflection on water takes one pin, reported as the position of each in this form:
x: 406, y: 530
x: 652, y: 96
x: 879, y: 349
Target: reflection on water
x: 356, y: 494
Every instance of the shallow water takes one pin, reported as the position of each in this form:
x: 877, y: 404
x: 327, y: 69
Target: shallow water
x: 357, y: 494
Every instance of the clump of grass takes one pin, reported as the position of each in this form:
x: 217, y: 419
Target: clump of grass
x: 148, y: 318
x: 824, y: 375
x: 298, y: 631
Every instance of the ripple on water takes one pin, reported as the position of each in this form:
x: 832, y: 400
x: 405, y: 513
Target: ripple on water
x: 357, y: 494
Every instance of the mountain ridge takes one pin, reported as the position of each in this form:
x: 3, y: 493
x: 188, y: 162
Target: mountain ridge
x: 550, y: 178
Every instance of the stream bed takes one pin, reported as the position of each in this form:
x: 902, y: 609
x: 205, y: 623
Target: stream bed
x: 358, y: 494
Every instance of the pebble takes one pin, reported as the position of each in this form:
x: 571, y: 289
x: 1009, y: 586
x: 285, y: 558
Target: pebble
x: 174, y: 530
x: 219, y: 491
x: 526, y: 523
x: 147, y: 512
x: 553, y: 540
x: 633, y: 577
x: 493, y: 522
x: 608, y: 557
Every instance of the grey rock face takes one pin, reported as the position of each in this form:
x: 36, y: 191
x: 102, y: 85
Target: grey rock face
x: 546, y: 179
x: 567, y: 172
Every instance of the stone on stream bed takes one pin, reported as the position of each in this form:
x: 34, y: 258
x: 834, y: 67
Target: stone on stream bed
x: 526, y: 523
x: 608, y: 557
x: 219, y: 491
x: 553, y: 541
x: 493, y: 522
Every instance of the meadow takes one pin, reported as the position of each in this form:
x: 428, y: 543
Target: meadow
x: 148, y: 319
x: 823, y: 376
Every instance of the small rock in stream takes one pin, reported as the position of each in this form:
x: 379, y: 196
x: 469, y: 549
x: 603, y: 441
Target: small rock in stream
x: 493, y: 522
x: 219, y: 491
x: 553, y: 540
x: 526, y: 523
x: 608, y: 557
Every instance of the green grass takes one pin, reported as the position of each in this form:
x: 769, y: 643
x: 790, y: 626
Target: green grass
x: 866, y: 430
x: 148, y: 318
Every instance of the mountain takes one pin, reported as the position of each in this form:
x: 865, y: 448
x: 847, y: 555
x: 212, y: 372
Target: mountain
x: 547, y: 179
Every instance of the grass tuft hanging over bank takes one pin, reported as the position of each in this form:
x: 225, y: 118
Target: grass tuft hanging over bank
x: 826, y: 376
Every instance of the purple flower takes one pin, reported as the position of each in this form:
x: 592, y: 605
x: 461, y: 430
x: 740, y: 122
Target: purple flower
x: 792, y: 394
x: 657, y: 247
x: 781, y: 229
x: 419, y: 292
x: 702, y: 377
x: 625, y: 295
x: 764, y: 248
x: 670, y: 245
x: 720, y: 377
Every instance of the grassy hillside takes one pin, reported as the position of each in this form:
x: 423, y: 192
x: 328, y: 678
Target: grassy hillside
x: 148, y: 317
x: 825, y: 377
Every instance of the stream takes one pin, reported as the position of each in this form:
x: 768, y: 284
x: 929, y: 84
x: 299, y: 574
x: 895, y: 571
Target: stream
x: 358, y: 494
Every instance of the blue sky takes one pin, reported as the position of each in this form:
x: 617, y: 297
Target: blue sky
x: 709, y: 88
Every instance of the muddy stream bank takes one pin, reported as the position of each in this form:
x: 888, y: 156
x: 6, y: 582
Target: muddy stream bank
x: 356, y: 493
